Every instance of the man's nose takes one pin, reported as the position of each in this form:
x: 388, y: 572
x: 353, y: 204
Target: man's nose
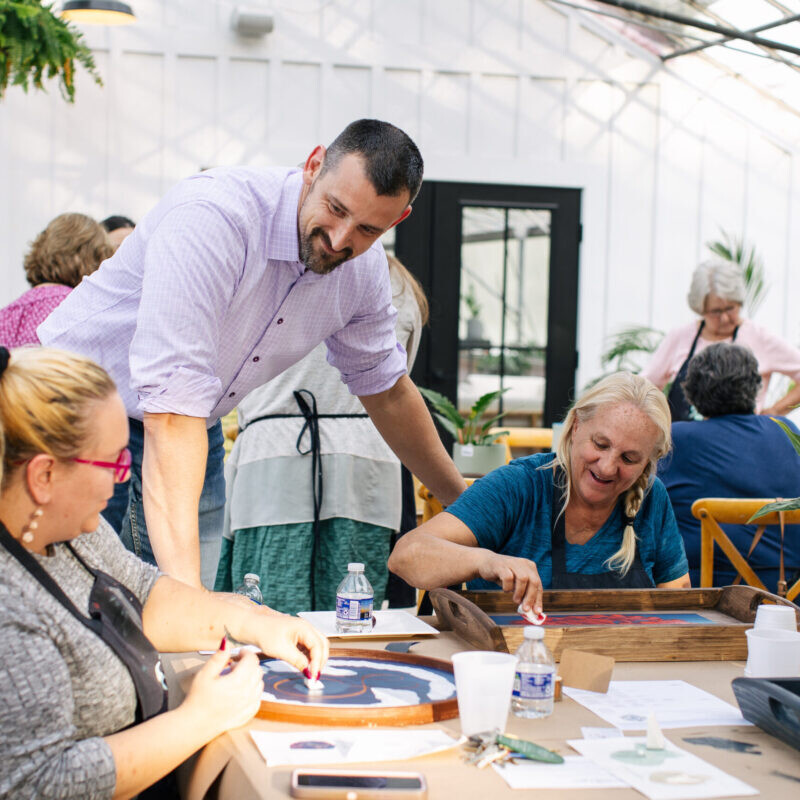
x: 340, y: 235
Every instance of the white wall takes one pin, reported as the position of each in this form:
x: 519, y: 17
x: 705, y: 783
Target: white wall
x: 504, y: 91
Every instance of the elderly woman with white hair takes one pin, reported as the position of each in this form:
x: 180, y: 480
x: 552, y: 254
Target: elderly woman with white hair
x: 716, y: 295
x: 592, y: 516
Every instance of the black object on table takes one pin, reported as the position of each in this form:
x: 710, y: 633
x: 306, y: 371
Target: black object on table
x: 773, y: 704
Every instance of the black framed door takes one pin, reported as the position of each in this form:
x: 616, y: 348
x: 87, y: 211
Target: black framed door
x: 499, y: 264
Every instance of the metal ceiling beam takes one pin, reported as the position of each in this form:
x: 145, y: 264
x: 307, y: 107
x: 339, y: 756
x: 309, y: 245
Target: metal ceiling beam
x: 697, y: 48
x: 640, y: 23
x: 730, y: 33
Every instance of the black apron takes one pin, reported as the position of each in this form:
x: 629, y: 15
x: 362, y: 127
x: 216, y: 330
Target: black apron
x: 679, y: 406
x: 634, y: 578
x: 115, y: 615
x: 309, y: 413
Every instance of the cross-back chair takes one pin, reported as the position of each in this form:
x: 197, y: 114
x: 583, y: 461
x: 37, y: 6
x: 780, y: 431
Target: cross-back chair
x: 715, y: 511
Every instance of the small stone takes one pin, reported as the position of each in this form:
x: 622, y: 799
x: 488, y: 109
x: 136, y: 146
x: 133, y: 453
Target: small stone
x: 313, y: 685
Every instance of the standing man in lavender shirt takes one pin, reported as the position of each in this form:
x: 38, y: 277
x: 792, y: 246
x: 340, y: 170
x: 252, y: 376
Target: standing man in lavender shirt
x: 235, y: 275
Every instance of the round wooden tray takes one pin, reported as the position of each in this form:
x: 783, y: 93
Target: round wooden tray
x: 368, y: 716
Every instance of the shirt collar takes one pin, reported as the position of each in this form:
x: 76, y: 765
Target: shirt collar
x: 283, y: 244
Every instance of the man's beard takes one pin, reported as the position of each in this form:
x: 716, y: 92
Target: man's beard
x: 317, y: 260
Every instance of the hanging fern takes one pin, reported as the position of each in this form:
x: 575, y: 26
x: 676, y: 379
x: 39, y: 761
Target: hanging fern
x: 36, y: 45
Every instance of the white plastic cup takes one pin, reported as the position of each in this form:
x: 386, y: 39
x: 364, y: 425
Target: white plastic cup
x: 775, y: 617
x: 484, y: 681
x: 772, y: 653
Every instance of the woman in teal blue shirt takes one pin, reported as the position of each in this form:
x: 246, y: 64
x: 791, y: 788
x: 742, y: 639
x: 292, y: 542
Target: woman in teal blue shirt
x: 591, y: 516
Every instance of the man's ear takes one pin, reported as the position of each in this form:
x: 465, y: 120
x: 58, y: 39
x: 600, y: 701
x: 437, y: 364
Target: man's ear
x: 39, y: 478
x: 313, y: 164
x: 401, y: 217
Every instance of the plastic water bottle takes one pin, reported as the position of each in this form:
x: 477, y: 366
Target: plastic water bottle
x: 354, y: 599
x: 534, y: 681
x: 250, y: 588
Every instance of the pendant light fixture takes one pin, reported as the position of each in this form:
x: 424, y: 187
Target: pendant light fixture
x: 97, y: 12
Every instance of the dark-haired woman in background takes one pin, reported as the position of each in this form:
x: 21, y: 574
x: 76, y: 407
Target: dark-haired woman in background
x: 71, y: 246
x: 118, y: 228
x: 733, y: 452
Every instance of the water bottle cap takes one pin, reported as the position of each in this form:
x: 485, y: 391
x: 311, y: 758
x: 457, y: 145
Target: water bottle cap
x: 534, y: 632
x: 355, y: 566
x: 251, y: 576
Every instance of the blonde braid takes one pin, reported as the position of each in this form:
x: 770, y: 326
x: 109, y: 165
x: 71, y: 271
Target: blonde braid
x: 622, y: 560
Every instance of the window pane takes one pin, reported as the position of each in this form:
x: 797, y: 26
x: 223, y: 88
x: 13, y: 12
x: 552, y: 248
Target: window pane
x: 505, y: 259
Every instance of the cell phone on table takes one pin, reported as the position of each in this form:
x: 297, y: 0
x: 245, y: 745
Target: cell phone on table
x: 334, y: 784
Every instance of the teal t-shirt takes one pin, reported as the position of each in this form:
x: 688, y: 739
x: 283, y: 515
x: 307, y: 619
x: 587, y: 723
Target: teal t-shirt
x: 509, y: 512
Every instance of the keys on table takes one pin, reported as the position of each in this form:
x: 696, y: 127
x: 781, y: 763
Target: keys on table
x: 493, y: 747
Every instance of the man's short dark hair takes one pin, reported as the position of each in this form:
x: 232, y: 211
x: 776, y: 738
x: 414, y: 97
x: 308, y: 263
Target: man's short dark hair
x: 393, y: 162
x: 723, y: 379
x: 116, y: 221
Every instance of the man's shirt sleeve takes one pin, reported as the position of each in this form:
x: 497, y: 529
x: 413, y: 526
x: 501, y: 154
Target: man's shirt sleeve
x: 366, y: 351
x: 193, y: 265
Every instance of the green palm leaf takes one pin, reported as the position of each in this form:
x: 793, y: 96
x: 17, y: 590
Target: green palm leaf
x: 778, y: 505
x: 443, y: 406
x: 793, y: 437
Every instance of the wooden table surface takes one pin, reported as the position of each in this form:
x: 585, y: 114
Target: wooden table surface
x: 236, y: 765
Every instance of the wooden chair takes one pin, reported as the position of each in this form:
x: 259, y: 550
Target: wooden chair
x: 541, y: 438
x: 713, y: 511
x: 430, y: 505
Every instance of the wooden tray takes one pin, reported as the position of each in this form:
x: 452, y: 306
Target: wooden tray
x: 368, y: 716
x: 727, y: 613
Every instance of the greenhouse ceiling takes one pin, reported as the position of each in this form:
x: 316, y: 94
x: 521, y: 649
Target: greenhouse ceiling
x: 757, y: 40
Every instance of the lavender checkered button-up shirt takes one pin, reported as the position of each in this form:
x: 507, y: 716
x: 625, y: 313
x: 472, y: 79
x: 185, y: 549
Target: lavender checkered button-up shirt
x: 207, y: 299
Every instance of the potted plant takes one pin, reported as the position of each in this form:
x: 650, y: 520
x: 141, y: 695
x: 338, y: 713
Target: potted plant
x: 475, y: 451
x: 474, y: 324
x: 36, y: 44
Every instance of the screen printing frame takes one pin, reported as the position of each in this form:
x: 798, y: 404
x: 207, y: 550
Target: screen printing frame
x: 731, y: 609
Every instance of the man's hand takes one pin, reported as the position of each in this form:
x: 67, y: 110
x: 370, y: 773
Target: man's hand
x: 517, y: 575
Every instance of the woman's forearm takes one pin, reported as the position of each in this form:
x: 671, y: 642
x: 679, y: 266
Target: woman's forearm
x: 144, y: 753
x: 428, y: 561
x: 178, y: 617
x: 789, y: 401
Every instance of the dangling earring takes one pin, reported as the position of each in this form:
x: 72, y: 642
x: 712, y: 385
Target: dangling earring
x: 27, y: 531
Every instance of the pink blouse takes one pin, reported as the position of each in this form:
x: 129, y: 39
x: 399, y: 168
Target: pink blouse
x: 772, y: 353
x: 19, y: 320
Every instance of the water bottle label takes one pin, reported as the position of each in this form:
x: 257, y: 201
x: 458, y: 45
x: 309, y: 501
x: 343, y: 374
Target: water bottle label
x: 353, y: 610
x: 533, y: 685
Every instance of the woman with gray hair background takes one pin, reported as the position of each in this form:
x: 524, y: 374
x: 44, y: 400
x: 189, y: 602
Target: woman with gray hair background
x: 716, y: 294
x: 733, y: 452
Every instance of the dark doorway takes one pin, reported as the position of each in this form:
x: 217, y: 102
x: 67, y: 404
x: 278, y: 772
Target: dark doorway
x: 500, y: 267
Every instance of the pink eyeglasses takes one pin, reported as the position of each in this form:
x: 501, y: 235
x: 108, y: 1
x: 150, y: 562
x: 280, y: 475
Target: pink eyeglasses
x: 121, y: 467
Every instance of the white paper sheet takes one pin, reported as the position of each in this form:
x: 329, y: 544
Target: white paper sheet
x: 669, y: 774
x: 676, y: 704
x: 393, y: 622
x: 601, y: 733
x: 348, y: 745
x: 576, y: 772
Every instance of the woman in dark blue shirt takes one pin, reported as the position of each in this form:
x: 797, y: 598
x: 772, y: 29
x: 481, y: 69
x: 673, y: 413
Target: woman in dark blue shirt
x: 733, y: 452
x: 591, y: 516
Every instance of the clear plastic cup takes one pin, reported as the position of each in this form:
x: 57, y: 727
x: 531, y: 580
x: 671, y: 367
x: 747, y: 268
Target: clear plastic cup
x: 484, y: 681
x: 775, y: 617
x: 772, y: 653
